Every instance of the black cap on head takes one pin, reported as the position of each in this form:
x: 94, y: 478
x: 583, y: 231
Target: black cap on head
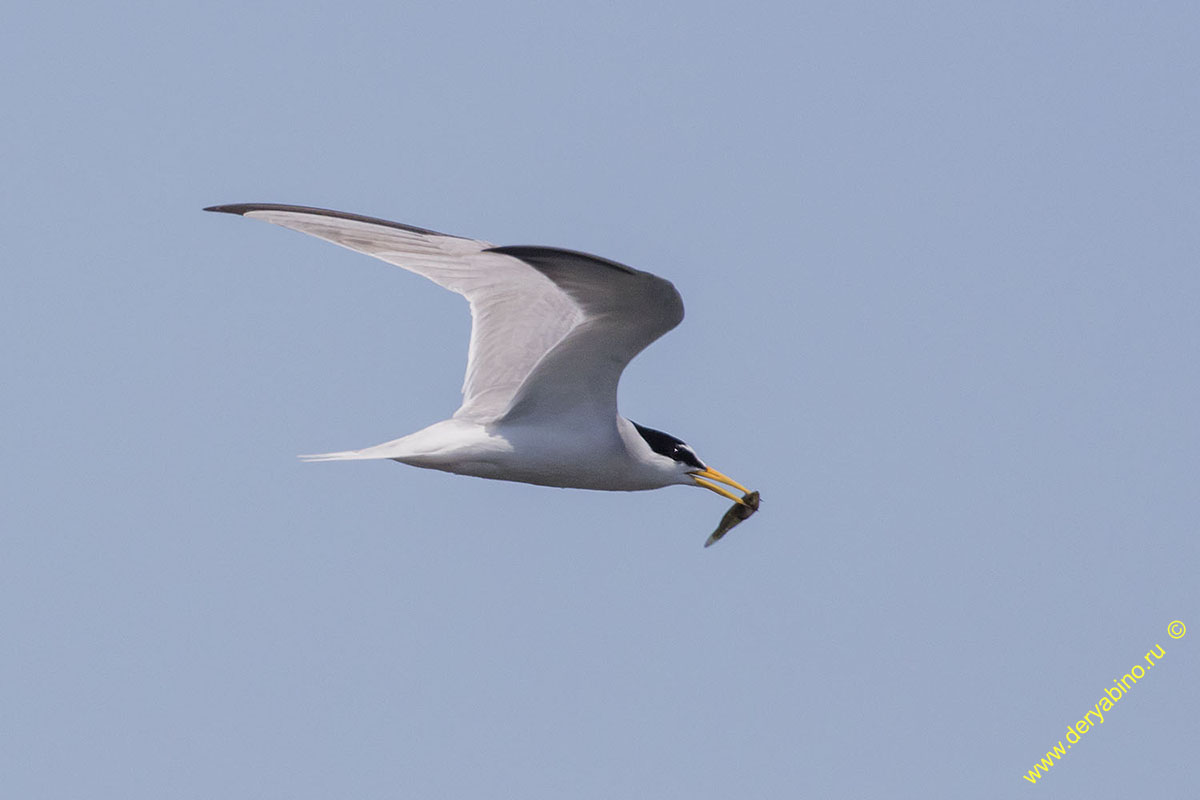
x: 667, y: 445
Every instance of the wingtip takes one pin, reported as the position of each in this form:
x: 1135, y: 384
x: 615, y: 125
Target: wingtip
x: 242, y: 209
x: 236, y: 208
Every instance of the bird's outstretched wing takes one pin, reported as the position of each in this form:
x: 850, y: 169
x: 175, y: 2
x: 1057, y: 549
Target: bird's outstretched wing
x: 623, y: 309
x: 551, y: 329
x: 517, y: 314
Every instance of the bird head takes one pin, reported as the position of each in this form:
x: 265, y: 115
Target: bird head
x: 677, y: 456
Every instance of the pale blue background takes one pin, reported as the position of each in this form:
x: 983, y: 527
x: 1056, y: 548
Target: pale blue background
x: 941, y: 268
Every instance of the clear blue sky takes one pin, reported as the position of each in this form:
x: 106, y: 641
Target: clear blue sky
x: 940, y: 266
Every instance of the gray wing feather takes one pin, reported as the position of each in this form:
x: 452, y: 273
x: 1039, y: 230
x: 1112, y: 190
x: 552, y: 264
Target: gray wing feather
x: 624, y: 310
x: 517, y: 313
x: 552, y: 329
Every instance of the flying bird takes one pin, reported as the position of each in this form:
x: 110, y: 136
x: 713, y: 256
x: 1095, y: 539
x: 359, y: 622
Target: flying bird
x: 551, y: 332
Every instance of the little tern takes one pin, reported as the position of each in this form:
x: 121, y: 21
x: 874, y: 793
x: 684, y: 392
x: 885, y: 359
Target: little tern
x: 551, y: 332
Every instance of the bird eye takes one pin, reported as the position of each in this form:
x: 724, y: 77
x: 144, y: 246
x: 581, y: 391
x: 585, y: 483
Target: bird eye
x: 685, y: 455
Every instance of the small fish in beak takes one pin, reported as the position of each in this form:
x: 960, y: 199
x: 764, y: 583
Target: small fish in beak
x: 739, y: 513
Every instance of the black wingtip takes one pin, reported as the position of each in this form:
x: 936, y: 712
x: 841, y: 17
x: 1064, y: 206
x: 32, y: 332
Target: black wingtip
x: 242, y: 209
x: 238, y: 208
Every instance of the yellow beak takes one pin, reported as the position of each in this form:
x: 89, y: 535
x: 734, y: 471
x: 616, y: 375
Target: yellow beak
x: 706, y: 476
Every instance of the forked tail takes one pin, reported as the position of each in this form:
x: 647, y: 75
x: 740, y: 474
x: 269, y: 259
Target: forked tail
x: 345, y: 455
x: 386, y: 450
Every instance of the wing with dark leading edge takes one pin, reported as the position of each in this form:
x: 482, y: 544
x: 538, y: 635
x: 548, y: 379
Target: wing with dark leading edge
x: 517, y: 314
x: 551, y: 329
